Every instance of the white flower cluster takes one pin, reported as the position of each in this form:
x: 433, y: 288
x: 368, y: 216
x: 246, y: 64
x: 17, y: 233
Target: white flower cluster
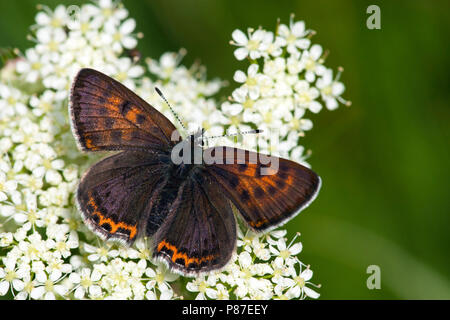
x: 286, y: 78
x: 265, y: 267
x: 46, y: 251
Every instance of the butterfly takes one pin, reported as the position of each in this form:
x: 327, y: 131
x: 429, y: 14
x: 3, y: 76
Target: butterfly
x: 186, y: 208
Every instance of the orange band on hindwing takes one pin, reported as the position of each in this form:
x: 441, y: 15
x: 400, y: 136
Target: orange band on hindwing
x: 181, y: 255
x: 114, y: 226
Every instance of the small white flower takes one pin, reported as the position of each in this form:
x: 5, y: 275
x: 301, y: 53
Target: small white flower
x: 7, y: 187
x: 111, y: 11
x: 50, y: 43
x: 85, y: 21
x: 222, y: 292
x: 10, y: 277
x: 86, y: 283
x: 121, y: 37
x: 249, y: 80
x: 45, y: 103
x: 11, y: 102
x: 296, y: 122
x: 298, y: 286
x: 6, y: 238
x: 125, y: 72
x: 204, y: 286
x: 62, y: 245
x: 56, y: 267
x: 274, y: 48
x: 32, y: 247
x: 287, y: 252
x: 49, y: 169
x: 275, y: 68
x: 160, y: 278
x: 331, y: 89
x: 99, y: 253
x: 28, y: 286
x: 252, y: 45
x: 294, y: 35
x: 47, y: 288
x: 311, y: 62
x: 306, y: 96
x: 50, y: 20
x: 34, y: 66
x: 27, y: 210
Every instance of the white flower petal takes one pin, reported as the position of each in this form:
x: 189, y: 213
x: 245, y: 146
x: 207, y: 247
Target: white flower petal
x: 298, y: 29
x: 255, y: 54
x: 241, y: 53
x: 253, y: 70
x: 49, y: 296
x: 74, y: 278
x: 95, y: 291
x: 129, y: 43
x: 331, y: 104
x: 240, y: 76
x: 315, y: 51
x: 166, y: 295
x: 293, y: 292
x: 245, y: 259
x: 79, y: 293
x: 41, y: 277
x: 18, y: 285
x: 37, y: 293
x: 311, y: 293
x: 4, y: 287
x: 337, y: 89
x: 239, y: 37
x: 150, y: 295
x: 306, y: 274
x: 128, y: 26
x: 315, y: 106
x: 296, y: 248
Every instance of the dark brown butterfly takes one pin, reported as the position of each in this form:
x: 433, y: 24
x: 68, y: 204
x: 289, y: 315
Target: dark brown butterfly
x: 185, y: 207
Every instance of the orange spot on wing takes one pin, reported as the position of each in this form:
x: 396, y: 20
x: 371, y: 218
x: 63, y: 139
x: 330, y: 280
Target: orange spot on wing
x: 115, y: 101
x: 132, y: 115
x: 290, y: 180
x: 90, y: 145
x: 259, y: 223
x: 177, y: 255
x: 114, y: 226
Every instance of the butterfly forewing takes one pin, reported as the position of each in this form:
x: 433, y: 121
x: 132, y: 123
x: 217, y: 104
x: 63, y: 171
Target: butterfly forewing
x: 108, y: 116
x: 116, y: 195
x: 199, y: 233
x: 267, y: 195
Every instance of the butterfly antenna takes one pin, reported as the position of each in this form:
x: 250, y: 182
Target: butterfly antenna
x: 170, y: 107
x: 241, y: 133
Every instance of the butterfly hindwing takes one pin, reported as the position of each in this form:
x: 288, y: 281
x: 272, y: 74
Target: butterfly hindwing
x: 108, y: 116
x: 266, y: 194
x: 116, y: 195
x: 199, y: 233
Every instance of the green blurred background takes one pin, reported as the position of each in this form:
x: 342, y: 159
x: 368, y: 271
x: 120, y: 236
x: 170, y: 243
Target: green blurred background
x: 384, y: 161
